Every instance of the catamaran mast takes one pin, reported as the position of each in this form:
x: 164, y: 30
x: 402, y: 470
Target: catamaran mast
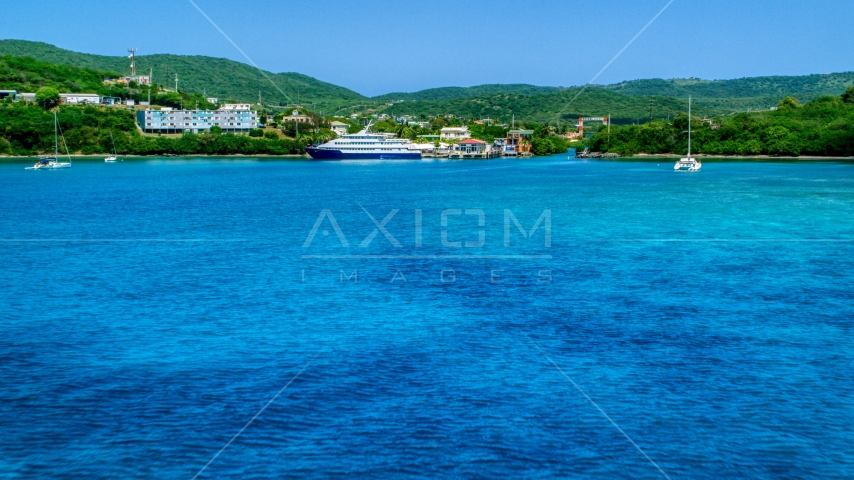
x: 689, y: 128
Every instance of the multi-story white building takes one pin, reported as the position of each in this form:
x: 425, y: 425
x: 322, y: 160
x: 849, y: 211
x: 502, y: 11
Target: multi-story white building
x: 455, y: 133
x: 167, y: 120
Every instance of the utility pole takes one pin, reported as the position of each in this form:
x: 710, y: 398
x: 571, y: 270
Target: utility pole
x: 176, y: 82
x: 650, y: 109
x: 150, y: 84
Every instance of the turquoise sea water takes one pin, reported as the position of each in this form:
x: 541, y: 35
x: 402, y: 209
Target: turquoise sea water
x: 149, y: 309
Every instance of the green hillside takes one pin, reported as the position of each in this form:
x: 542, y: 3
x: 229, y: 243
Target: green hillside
x: 545, y: 108
x: 218, y: 77
x: 28, y: 75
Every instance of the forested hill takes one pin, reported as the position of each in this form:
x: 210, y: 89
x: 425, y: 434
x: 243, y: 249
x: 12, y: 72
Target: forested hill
x: 805, y: 87
x: 218, y: 77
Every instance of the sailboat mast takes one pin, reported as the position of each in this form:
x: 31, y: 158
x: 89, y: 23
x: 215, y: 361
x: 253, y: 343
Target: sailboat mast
x: 55, y: 138
x: 689, y: 128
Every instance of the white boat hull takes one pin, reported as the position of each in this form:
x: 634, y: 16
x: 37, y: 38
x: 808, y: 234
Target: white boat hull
x: 50, y: 166
x: 687, y: 165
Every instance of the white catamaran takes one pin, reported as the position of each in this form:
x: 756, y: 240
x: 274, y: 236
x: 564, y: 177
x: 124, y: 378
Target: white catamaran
x: 688, y: 164
x: 112, y: 158
x: 50, y: 163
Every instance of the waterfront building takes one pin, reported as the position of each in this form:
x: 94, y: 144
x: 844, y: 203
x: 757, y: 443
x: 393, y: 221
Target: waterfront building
x: 340, y: 128
x: 473, y: 148
x: 168, y: 120
x: 455, y: 133
x: 80, y: 98
x: 517, y: 143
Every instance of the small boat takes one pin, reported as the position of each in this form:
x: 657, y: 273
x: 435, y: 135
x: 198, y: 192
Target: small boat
x: 112, y: 158
x: 688, y: 164
x: 51, y: 163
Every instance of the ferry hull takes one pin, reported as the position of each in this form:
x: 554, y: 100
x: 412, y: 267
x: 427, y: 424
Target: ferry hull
x: 330, y: 154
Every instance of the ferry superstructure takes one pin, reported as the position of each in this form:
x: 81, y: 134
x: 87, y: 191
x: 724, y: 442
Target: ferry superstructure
x: 365, y: 146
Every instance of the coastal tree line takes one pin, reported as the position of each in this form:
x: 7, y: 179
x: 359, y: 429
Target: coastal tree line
x: 28, y: 130
x: 822, y: 127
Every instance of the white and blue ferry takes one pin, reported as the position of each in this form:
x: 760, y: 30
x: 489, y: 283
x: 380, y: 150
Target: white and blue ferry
x: 365, y: 146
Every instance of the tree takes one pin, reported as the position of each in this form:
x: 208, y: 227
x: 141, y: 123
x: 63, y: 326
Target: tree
x: 216, y: 130
x: 271, y: 135
x: 848, y: 96
x: 48, y: 97
x: 788, y: 103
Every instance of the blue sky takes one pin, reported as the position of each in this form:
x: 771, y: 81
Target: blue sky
x: 376, y: 47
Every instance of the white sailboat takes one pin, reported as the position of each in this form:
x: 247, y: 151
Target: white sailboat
x: 50, y: 163
x: 111, y: 158
x: 688, y: 164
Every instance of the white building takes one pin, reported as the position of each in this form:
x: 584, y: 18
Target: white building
x: 167, y: 120
x: 80, y: 98
x: 340, y: 128
x: 26, y: 97
x: 296, y: 118
x: 140, y: 79
x: 235, y: 106
x: 213, y: 100
x: 455, y: 133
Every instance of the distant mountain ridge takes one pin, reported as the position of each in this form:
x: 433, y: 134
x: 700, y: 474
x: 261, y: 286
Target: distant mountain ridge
x: 805, y: 87
x: 453, y: 93
x: 218, y: 77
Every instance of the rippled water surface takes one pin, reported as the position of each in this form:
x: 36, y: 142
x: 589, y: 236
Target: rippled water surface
x: 149, y: 309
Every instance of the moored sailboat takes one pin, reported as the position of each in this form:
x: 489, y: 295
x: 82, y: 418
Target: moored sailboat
x: 688, y: 164
x: 112, y: 158
x: 50, y: 163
